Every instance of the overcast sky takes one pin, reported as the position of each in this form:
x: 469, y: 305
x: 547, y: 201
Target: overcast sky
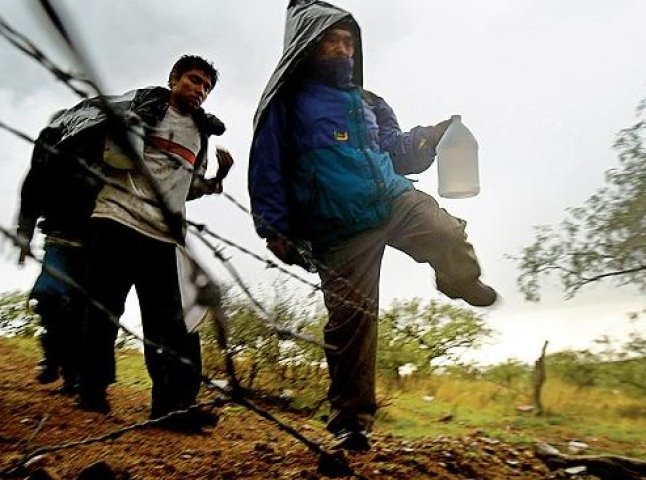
x: 544, y: 85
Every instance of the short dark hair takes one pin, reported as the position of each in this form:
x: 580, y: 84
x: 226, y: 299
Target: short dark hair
x: 189, y: 62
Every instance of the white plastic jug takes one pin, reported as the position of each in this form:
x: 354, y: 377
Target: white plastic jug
x: 457, y: 162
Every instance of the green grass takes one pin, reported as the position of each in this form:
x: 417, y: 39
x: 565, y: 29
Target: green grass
x: 28, y: 346
x: 131, y: 369
x: 609, y: 422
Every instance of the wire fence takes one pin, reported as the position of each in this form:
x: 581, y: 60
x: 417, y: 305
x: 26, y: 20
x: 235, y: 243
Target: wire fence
x: 209, y: 294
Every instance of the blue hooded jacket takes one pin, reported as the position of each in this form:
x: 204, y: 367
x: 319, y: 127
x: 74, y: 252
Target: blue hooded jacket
x: 326, y: 160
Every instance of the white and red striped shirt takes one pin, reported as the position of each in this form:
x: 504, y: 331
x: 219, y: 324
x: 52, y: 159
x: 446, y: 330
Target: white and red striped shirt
x: 169, y: 154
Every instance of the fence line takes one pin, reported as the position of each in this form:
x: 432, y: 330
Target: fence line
x: 209, y: 292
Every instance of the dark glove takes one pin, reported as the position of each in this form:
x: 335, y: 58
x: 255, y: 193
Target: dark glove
x: 288, y: 253
x: 431, y: 136
x: 283, y: 250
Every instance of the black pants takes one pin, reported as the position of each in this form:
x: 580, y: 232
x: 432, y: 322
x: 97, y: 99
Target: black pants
x: 120, y: 257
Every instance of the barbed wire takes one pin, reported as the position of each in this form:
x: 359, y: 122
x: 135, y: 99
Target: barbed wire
x: 26, y: 46
x: 40, y: 57
x: 315, y: 287
x: 209, y: 294
x: 311, y: 260
x: 283, y: 333
x: 172, y: 216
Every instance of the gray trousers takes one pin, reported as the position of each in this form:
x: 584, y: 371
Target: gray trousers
x: 350, y: 273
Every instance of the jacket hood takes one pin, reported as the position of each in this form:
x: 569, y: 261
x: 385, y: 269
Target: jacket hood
x: 305, y: 24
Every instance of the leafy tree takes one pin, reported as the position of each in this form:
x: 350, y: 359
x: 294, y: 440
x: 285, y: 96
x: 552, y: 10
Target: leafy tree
x: 263, y: 358
x: 624, y: 366
x: 411, y: 332
x: 615, y: 365
x: 578, y: 367
x: 16, y: 318
x: 604, y: 239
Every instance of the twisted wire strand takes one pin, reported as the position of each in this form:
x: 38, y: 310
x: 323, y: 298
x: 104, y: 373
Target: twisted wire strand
x: 26, y: 46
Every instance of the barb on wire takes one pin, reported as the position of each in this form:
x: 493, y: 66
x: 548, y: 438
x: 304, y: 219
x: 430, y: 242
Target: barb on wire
x: 282, y: 332
x: 41, y: 423
x: 27, y: 47
x: 202, y: 228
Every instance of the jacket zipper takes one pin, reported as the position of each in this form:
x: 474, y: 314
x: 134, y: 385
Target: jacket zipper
x: 360, y: 120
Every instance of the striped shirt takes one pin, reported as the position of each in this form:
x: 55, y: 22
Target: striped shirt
x: 169, y: 154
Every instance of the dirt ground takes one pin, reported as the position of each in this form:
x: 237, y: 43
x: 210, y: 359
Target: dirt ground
x: 242, y: 445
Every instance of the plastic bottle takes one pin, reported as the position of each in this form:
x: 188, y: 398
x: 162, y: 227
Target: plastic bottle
x: 457, y: 162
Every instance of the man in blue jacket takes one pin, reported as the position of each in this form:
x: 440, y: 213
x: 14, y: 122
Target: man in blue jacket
x: 326, y: 168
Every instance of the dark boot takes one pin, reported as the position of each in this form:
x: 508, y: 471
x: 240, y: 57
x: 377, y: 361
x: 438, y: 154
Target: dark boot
x: 48, y: 372
x: 93, y: 399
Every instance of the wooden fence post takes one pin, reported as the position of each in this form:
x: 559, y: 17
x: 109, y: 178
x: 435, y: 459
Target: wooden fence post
x: 539, y: 380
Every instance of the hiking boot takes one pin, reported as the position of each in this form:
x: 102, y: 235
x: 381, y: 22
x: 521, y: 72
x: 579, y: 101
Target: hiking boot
x: 191, y: 421
x: 47, y: 374
x: 205, y: 418
x: 352, y: 439
x: 69, y: 388
x: 93, y: 401
x: 179, y: 423
x: 477, y: 294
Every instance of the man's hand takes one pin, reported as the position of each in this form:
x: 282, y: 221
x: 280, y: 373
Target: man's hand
x: 225, y: 162
x: 433, y: 135
x: 282, y: 249
x: 440, y: 129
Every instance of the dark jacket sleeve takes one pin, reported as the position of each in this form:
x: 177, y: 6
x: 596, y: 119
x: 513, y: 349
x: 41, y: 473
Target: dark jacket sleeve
x: 34, y: 187
x: 268, y: 175
x: 411, y: 152
x: 29, y: 206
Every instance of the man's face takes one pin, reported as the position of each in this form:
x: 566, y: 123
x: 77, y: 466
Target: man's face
x: 189, y: 91
x: 336, y: 43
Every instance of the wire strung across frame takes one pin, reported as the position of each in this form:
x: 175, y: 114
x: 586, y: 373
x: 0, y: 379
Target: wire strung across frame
x: 164, y: 207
